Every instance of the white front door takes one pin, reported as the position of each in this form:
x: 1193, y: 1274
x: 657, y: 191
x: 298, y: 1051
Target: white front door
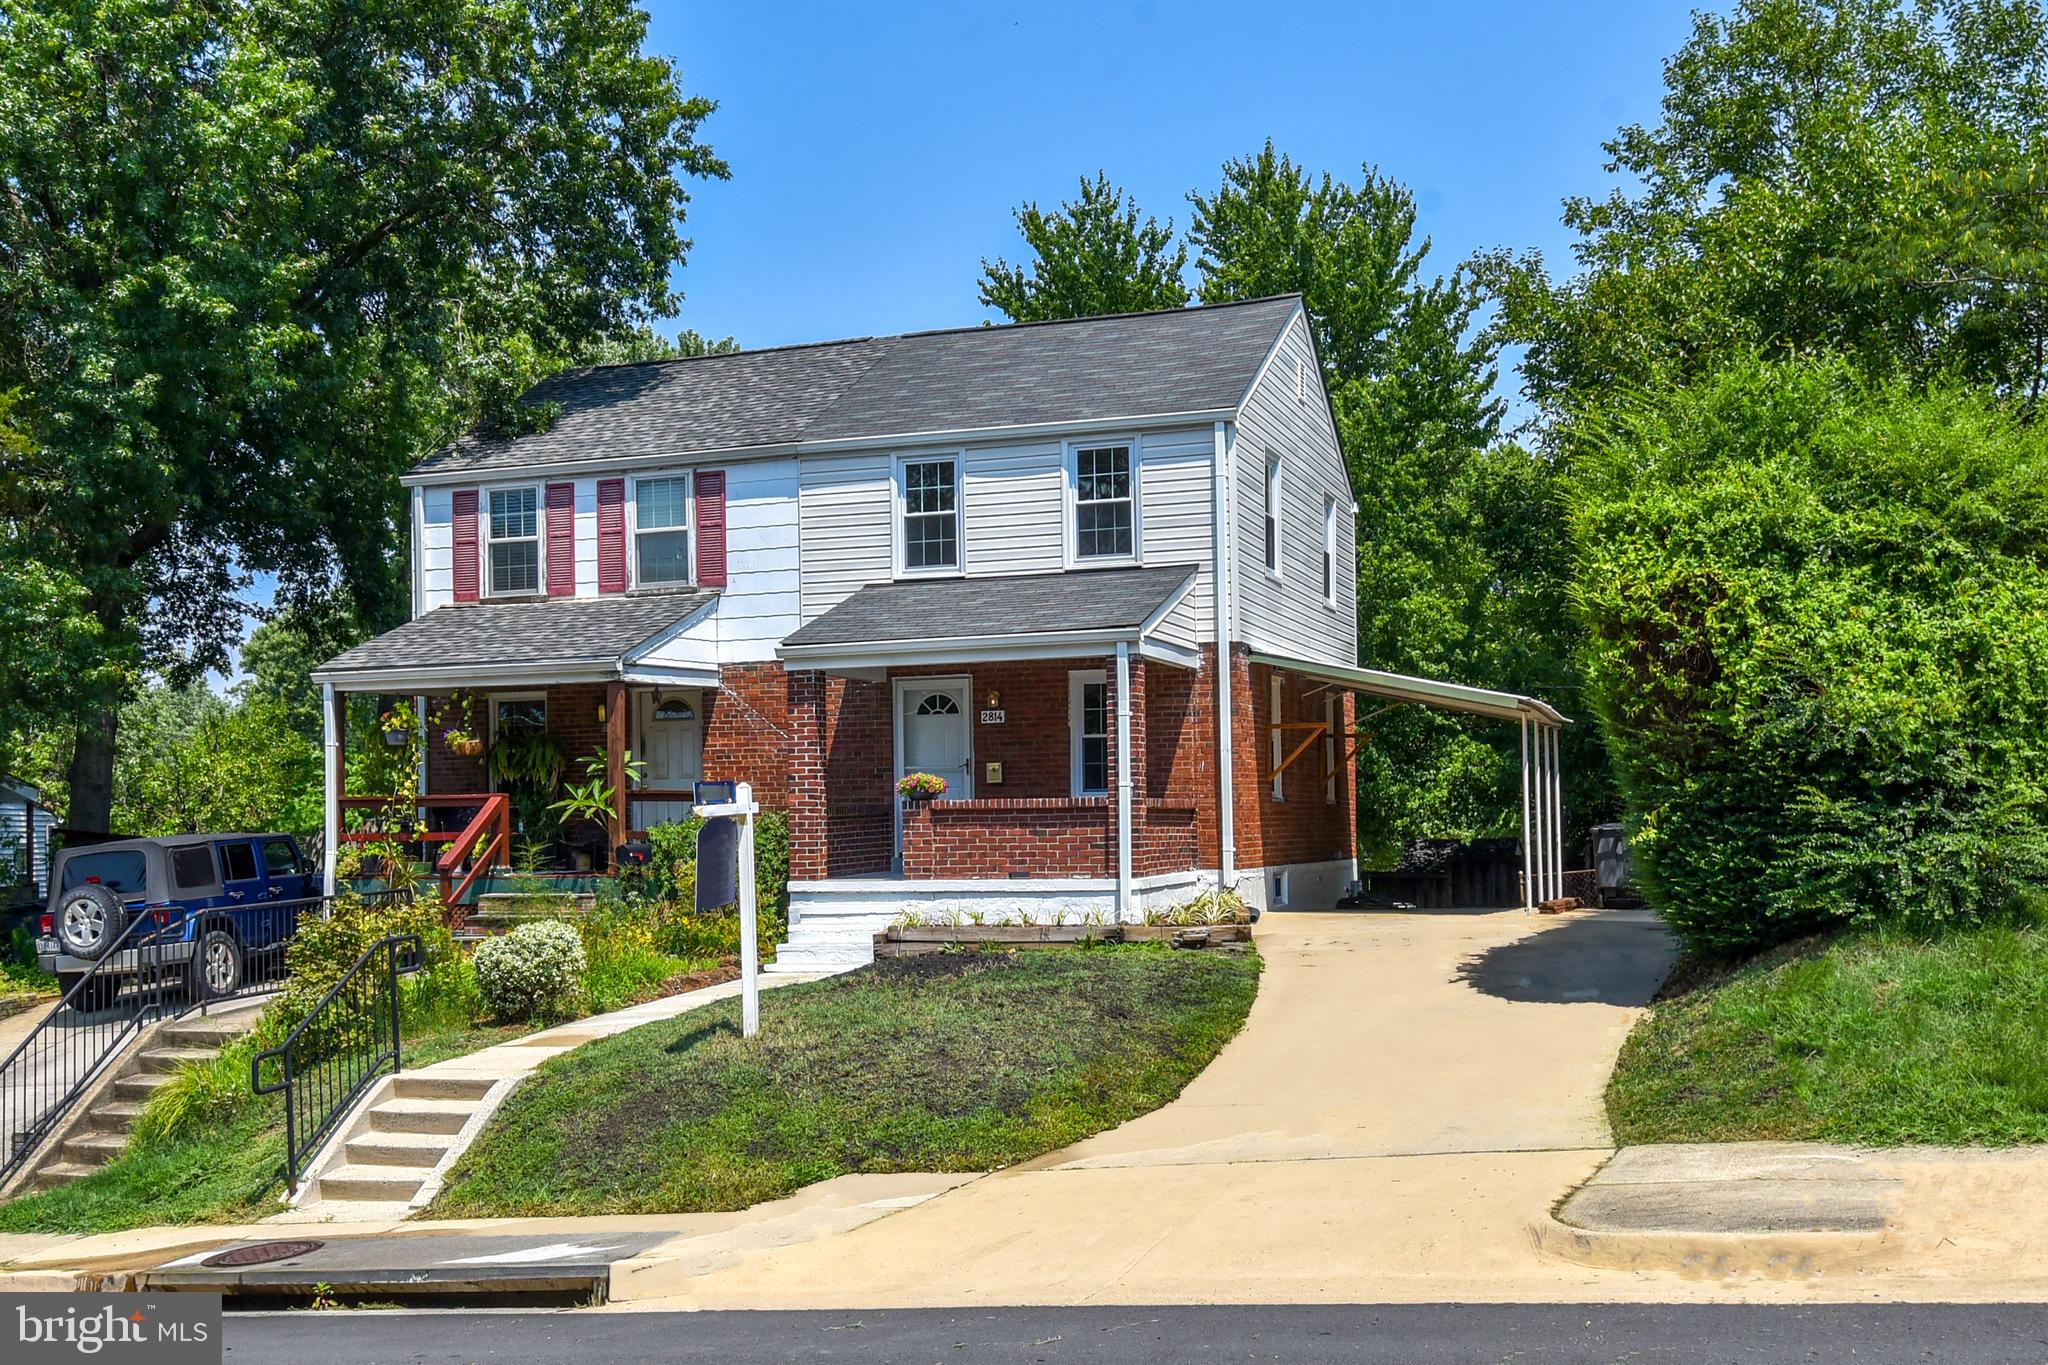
x: 671, y: 745
x: 932, y: 736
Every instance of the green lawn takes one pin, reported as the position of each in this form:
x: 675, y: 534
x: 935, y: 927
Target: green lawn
x: 225, y: 1169
x: 1863, y: 1038
x: 957, y: 1061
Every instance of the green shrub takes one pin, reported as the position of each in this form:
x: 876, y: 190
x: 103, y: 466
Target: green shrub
x: 532, y: 972
x: 323, y: 949
x: 1819, y: 639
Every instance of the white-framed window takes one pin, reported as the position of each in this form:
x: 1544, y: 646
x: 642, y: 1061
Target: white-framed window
x: 1102, y: 502
x: 1330, y: 551
x: 1088, y: 731
x: 928, y: 539
x: 1330, y: 748
x: 512, y: 541
x: 1278, y: 741
x: 661, y: 530
x: 1273, y: 477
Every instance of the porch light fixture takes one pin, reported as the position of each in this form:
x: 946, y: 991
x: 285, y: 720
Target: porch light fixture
x: 995, y: 699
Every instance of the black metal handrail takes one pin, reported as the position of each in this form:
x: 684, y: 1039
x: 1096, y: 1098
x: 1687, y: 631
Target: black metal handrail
x: 331, y: 1056
x: 146, y: 975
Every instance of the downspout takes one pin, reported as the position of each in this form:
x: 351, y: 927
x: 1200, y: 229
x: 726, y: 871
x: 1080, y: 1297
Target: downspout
x: 1123, y: 779
x: 330, y: 797
x: 1219, y: 587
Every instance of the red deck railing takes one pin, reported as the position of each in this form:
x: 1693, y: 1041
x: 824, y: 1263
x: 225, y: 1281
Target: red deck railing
x: 493, y: 818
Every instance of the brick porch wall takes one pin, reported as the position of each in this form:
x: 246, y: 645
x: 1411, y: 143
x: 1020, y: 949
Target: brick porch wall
x: 840, y: 767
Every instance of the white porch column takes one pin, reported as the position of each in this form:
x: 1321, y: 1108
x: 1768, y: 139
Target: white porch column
x: 1123, y: 779
x: 1557, y: 802
x: 330, y: 788
x: 1528, y: 845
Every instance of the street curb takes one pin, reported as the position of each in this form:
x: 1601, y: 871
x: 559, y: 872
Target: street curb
x: 1715, y: 1255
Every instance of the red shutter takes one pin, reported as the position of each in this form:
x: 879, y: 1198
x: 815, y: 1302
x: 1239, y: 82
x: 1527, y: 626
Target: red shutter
x: 561, y: 540
x: 465, y: 545
x: 611, y: 535
x: 711, y: 528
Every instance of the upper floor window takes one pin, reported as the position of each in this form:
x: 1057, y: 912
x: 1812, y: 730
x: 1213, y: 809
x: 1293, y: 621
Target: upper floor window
x: 1105, y: 504
x: 931, y: 514
x: 661, y: 530
x: 515, y: 540
x: 1273, y: 515
x: 1330, y: 551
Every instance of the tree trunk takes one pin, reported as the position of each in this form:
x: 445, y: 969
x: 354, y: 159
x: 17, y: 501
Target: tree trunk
x: 92, y: 773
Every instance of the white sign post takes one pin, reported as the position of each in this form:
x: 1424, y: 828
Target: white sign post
x: 743, y: 809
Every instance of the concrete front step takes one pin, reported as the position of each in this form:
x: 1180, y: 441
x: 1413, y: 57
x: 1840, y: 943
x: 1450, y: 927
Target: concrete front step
x: 421, y: 1116
x: 171, y: 1059
x: 61, y: 1173
x: 140, y: 1086
x: 428, y: 1085
x: 93, y: 1149
x: 116, y: 1117
x: 383, y: 1183
x: 396, y: 1149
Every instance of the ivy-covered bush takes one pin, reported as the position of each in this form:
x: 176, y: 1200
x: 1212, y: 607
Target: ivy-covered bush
x: 324, y: 948
x: 1819, y: 639
x: 534, y: 971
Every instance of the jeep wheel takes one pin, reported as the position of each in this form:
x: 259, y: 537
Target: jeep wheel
x: 89, y: 921
x: 216, y: 965
x: 98, y: 993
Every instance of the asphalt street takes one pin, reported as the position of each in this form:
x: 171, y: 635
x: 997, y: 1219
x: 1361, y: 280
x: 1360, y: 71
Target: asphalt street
x: 1409, y: 1334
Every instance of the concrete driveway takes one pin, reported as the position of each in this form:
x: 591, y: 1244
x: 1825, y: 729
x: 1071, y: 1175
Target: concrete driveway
x: 1410, y: 1094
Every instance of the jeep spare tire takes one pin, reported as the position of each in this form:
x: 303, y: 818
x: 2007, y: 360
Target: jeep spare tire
x: 89, y: 921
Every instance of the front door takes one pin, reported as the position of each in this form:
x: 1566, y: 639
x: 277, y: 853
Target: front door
x: 932, y: 736
x: 672, y: 747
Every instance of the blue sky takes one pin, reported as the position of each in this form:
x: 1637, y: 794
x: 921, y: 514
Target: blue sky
x: 878, y: 150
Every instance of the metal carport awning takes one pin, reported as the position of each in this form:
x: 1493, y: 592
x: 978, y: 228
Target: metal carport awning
x: 1542, y: 766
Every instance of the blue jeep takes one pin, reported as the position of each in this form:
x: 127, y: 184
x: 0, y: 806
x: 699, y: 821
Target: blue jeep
x: 219, y: 909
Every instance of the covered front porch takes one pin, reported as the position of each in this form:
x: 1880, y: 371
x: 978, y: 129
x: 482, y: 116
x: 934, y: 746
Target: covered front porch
x: 1058, y: 713
x: 507, y: 710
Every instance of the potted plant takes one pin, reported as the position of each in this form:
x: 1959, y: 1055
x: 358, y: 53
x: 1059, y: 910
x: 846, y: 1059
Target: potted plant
x: 591, y: 800
x: 921, y: 787
x: 461, y: 742
x: 458, y: 714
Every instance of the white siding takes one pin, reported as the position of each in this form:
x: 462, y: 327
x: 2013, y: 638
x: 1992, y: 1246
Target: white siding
x: 1012, y: 496
x: 1174, y: 474
x: 844, y: 511
x: 437, y: 549
x: 1289, y: 615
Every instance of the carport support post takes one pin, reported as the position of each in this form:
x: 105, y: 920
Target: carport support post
x: 1528, y: 845
x: 331, y: 779
x: 1123, y: 779
x: 1557, y: 805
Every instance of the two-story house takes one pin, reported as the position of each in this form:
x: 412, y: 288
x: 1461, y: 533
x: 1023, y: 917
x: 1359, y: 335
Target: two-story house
x: 1098, y: 575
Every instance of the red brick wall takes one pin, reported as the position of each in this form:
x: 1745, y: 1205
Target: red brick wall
x: 1180, y: 736
x: 841, y: 767
x: 1031, y: 743
x: 1166, y: 840
x: 1052, y: 837
x: 1302, y: 826
x: 747, y: 730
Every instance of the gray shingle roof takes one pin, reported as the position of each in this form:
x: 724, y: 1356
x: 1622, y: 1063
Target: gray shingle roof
x: 566, y: 630
x: 1085, y: 369
x: 1021, y: 604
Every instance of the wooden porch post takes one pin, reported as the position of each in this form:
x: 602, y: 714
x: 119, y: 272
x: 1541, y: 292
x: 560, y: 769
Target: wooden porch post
x: 615, y: 767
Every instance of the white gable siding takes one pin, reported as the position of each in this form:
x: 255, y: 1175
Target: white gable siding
x: 1013, y: 512
x: 1288, y: 615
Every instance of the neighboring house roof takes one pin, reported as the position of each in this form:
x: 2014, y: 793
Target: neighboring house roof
x: 1102, y: 602
x: 570, y: 636
x: 1104, y: 369
x: 19, y: 790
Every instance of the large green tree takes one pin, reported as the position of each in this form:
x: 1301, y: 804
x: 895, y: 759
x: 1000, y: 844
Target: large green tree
x: 1090, y: 256
x: 1859, y: 176
x: 256, y: 255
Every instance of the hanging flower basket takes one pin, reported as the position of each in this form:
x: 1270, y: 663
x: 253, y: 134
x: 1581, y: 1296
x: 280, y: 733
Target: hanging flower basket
x: 463, y: 745
x: 921, y: 787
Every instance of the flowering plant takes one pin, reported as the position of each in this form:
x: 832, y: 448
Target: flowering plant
x: 921, y: 786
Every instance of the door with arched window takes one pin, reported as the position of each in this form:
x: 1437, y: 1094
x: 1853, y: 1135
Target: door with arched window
x: 933, y: 736
x: 671, y: 746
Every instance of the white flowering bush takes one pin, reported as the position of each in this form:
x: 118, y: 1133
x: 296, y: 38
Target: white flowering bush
x: 536, y: 969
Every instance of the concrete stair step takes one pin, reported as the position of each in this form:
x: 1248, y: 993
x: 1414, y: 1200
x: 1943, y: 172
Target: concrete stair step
x: 141, y: 1085
x: 397, y: 1149
x: 115, y: 1117
x: 94, y: 1149
x: 421, y: 1116
x: 61, y: 1173
x: 170, y: 1059
x: 427, y: 1085
x: 371, y: 1183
